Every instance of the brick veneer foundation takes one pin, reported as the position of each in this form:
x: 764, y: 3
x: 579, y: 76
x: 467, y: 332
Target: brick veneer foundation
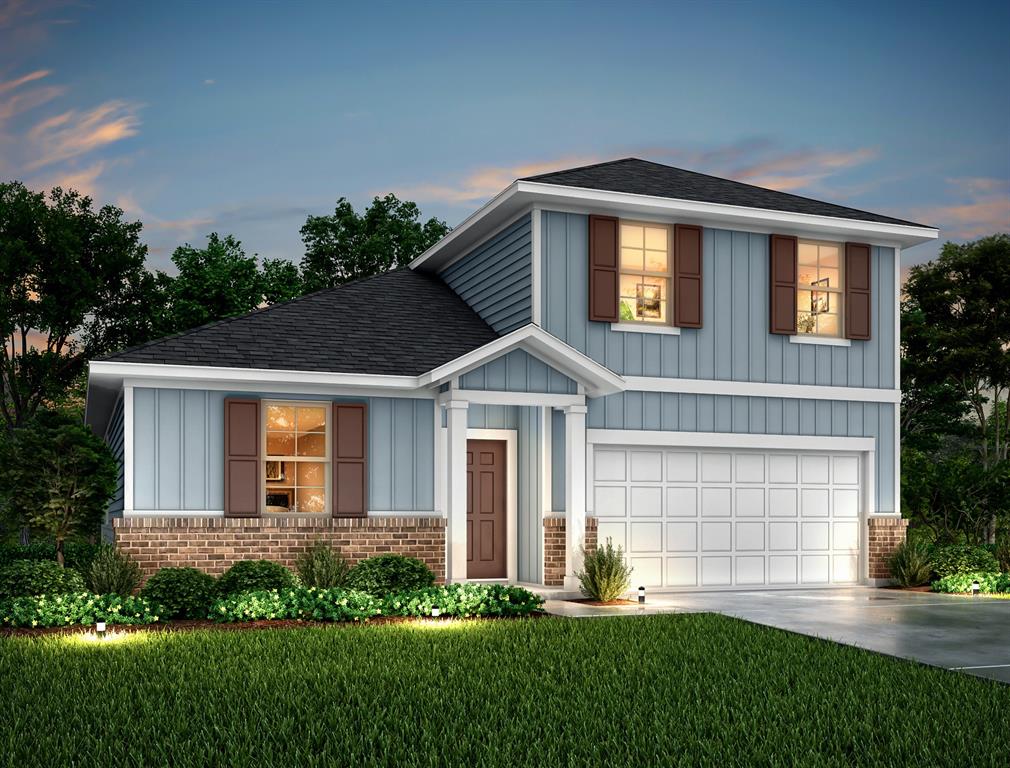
x: 212, y: 544
x: 554, y: 548
x: 884, y: 535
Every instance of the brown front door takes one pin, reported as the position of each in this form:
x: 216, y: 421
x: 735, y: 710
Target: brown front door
x: 485, y: 509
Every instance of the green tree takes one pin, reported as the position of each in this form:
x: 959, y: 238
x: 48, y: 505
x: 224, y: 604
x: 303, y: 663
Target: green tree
x: 347, y: 246
x: 281, y: 281
x: 213, y: 283
x: 74, y: 288
x: 56, y: 477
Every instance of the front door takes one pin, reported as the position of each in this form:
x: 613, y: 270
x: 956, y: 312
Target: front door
x: 485, y: 509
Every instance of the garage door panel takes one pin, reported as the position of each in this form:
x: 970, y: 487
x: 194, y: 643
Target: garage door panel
x: 647, y: 502
x: 722, y: 518
x: 646, y: 537
x: 681, y: 537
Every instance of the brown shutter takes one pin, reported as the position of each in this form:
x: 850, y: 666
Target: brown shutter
x: 782, y: 278
x: 603, y: 272
x: 350, y: 459
x: 858, y: 306
x: 687, y: 276
x: 241, y: 458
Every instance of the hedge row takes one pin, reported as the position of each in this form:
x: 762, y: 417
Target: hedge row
x: 988, y: 583
x: 76, y: 608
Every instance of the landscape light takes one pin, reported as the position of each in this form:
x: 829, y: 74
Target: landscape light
x: 435, y: 612
x: 974, y: 588
x: 641, y: 594
x: 100, y: 629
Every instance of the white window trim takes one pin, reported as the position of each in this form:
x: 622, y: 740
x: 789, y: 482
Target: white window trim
x: 813, y: 338
x: 327, y: 459
x: 667, y: 275
x: 627, y: 326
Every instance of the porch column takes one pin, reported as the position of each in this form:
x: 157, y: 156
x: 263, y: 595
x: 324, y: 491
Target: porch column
x: 575, y: 491
x: 455, y: 496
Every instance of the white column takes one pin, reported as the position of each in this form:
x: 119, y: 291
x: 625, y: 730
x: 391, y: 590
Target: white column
x: 455, y: 495
x: 575, y: 491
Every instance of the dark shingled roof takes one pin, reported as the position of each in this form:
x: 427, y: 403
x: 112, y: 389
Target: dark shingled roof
x: 400, y: 323
x: 642, y: 177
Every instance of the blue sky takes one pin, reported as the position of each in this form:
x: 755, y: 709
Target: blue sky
x: 245, y: 117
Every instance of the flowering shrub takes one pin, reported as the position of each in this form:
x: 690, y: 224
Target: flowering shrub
x: 38, y: 577
x: 464, y: 600
x: 307, y: 603
x: 961, y: 582
x: 76, y: 608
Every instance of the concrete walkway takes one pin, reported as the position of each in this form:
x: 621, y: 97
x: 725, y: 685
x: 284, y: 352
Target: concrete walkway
x: 971, y: 635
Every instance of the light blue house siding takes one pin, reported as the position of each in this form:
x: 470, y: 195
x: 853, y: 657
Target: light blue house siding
x: 496, y: 278
x: 114, y: 439
x: 526, y: 423
x: 518, y: 371
x: 179, y: 450
x: 734, y: 343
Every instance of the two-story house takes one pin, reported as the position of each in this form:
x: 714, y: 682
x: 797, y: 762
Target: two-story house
x: 704, y: 371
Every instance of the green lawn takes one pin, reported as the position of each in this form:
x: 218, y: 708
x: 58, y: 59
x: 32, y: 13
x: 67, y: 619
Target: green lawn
x: 663, y: 690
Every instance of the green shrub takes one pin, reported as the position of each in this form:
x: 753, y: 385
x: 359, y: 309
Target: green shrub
x: 464, y: 600
x: 112, y: 573
x: 994, y: 583
x: 1002, y: 553
x: 184, y: 593
x: 76, y: 608
x: 76, y: 554
x: 911, y: 563
x: 255, y: 576
x: 305, y: 603
x: 23, y: 578
x: 322, y: 567
x: 604, y: 575
x: 953, y: 559
x: 385, y: 574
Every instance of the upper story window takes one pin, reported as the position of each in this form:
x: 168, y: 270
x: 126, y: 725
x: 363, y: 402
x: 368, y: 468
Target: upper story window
x: 819, y: 288
x: 645, y: 270
x: 297, y: 458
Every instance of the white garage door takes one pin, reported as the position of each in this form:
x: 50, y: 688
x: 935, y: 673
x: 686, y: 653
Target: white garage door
x: 712, y: 518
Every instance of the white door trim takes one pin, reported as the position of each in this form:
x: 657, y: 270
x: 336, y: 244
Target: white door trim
x: 633, y: 437
x: 511, y: 494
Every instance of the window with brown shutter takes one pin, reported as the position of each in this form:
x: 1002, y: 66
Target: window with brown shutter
x: 241, y: 457
x: 858, y: 306
x: 782, y: 279
x: 603, y: 272
x: 687, y: 280
x: 350, y: 459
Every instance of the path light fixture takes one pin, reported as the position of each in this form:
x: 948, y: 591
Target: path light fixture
x: 641, y: 594
x: 975, y: 588
x: 435, y: 612
x: 100, y: 629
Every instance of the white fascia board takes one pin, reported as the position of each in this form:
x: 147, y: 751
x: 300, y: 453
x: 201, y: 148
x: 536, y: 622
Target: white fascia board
x: 526, y: 194
x: 658, y: 438
x: 598, y: 379
x: 760, y: 389
x: 498, y: 397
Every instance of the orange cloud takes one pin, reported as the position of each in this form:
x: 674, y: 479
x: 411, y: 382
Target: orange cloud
x: 84, y: 180
x: 798, y: 170
x: 982, y: 208
x: 75, y: 133
x: 14, y: 99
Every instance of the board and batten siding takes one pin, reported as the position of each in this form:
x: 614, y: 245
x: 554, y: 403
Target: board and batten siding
x: 496, y: 278
x: 733, y: 343
x: 518, y: 371
x: 114, y: 439
x: 178, y: 460
x: 755, y: 416
x: 525, y: 421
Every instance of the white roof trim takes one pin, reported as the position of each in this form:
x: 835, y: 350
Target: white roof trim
x: 523, y: 194
x: 597, y: 379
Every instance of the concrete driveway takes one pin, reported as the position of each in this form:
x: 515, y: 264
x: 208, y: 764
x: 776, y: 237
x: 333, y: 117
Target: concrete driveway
x: 971, y: 635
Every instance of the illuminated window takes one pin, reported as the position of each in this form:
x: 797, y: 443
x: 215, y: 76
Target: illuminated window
x: 820, y: 290
x: 296, y: 467
x: 645, y: 273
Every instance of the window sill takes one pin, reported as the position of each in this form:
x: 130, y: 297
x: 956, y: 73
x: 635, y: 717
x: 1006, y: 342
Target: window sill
x: 668, y: 330
x: 827, y: 341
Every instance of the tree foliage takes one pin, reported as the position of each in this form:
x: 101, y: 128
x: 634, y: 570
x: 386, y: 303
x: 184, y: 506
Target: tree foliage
x: 347, y: 246
x: 56, y: 477
x: 74, y: 288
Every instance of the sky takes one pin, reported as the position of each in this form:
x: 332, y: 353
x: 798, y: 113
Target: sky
x: 244, y: 118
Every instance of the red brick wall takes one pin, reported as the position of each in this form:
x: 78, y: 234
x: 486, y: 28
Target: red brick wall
x: 212, y: 544
x: 885, y: 534
x: 554, y: 548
